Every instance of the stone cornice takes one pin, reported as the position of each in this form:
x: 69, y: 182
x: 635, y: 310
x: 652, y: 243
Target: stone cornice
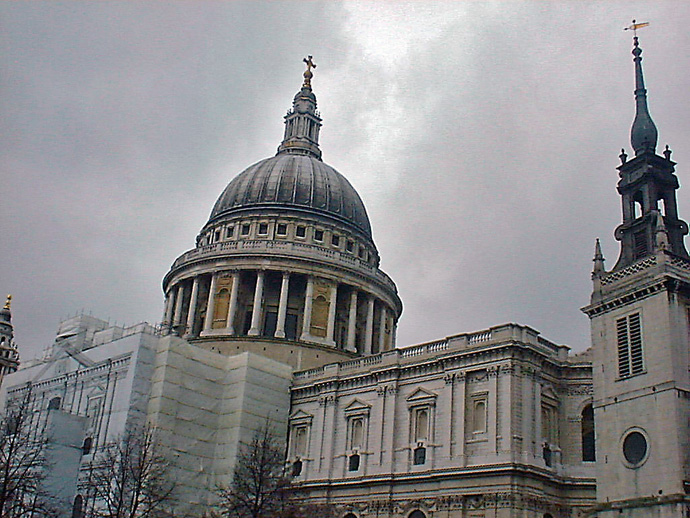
x: 433, y: 476
x: 507, y: 359
x: 664, y: 282
x: 278, y: 249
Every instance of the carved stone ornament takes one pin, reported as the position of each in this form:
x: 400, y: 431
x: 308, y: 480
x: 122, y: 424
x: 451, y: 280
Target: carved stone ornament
x: 327, y: 400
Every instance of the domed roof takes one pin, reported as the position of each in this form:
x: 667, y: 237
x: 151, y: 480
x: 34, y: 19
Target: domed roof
x: 294, y: 180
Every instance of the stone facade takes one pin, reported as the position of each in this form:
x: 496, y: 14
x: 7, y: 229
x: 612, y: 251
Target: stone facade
x: 488, y: 423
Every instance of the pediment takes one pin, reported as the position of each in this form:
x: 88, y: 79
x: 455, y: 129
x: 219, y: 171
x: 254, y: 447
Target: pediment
x: 421, y: 395
x: 357, y: 406
x: 300, y: 416
x: 547, y: 392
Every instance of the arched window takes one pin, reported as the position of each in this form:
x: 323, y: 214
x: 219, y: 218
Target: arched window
x: 350, y: 515
x: 299, y: 437
x: 54, y: 403
x: 357, y: 434
x: 220, y: 311
x: 638, y: 207
x: 417, y: 514
x: 587, y: 423
x: 421, y: 428
x: 479, y: 417
x: 86, y: 447
x: 319, y: 316
x: 77, y: 507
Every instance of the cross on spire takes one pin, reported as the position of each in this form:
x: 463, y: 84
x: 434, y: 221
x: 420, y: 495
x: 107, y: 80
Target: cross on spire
x: 308, y: 74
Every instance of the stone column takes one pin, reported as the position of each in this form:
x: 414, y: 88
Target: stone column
x: 536, y: 431
x: 460, y: 417
x: 382, y: 329
x: 191, y: 314
x: 282, y: 306
x: 256, y: 308
x: 352, y: 323
x: 167, y: 319
x: 394, y: 333
x: 230, y: 322
x: 369, y: 338
x: 178, y: 305
x: 309, y: 295
x: 449, y: 414
x: 492, y: 424
x: 331, y: 314
x: 210, y: 305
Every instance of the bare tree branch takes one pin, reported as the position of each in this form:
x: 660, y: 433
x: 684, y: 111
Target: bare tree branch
x: 130, y: 479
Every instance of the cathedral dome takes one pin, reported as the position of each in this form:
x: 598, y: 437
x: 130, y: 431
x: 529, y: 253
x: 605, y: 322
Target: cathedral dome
x: 296, y: 181
x: 286, y: 266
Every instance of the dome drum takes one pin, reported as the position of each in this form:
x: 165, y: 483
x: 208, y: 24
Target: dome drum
x: 299, y: 306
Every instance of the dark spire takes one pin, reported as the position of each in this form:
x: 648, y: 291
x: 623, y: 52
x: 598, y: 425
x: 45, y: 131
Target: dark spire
x: 643, y: 135
x: 302, y: 123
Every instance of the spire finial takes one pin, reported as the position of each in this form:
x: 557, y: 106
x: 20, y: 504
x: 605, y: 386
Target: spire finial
x: 643, y: 135
x: 308, y: 74
x: 8, y: 302
x: 599, y: 267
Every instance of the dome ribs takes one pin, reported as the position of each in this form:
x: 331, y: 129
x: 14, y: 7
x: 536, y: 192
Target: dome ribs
x: 294, y: 180
x: 279, y: 181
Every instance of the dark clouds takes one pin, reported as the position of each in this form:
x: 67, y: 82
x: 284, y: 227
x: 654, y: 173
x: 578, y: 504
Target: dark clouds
x: 483, y: 139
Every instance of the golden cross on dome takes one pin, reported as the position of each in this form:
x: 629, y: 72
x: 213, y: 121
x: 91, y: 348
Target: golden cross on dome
x: 308, y: 74
x: 8, y: 302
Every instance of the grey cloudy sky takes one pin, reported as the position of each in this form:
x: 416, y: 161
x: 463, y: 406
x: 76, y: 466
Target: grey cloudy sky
x: 482, y: 136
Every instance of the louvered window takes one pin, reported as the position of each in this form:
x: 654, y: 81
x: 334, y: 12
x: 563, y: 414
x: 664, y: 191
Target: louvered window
x: 640, y: 242
x: 629, y: 334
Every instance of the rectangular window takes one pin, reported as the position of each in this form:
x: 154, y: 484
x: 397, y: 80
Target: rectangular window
x: 281, y: 229
x: 229, y: 232
x: 350, y: 246
x: 245, y: 229
x: 318, y: 235
x: 335, y: 240
x: 263, y: 229
x: 629, y: 337
x: 301, y: 231
x: 216, y: 236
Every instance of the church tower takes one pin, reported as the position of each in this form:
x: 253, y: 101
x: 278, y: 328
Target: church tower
x: 639, y: 314
x: 9, y: 356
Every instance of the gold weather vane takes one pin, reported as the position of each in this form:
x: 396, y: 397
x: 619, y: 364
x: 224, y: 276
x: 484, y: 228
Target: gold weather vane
x: 8, y: 302
x: 636, y: 26
x: 308, y: 74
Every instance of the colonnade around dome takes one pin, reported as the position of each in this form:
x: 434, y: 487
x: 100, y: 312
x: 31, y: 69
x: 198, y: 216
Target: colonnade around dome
x: 295, y: 307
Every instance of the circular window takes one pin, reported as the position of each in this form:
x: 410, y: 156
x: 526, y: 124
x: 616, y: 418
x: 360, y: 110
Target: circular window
x: 635, y: 448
